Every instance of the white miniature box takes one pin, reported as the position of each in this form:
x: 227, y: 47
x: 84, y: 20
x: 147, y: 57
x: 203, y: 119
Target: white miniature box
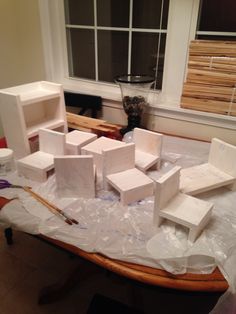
x: 75, y: 140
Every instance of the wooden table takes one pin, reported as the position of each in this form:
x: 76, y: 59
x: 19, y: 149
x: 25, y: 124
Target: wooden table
x: 213, y: 282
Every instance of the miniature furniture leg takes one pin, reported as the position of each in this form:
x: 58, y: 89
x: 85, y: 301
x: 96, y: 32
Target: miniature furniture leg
x: 8, y: 235
x: 57, y: 291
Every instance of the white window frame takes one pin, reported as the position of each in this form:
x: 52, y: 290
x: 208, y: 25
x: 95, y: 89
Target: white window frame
x: 182, y: 22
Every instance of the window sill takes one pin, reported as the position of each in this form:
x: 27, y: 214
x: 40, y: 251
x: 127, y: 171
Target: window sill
x: 112, y: 97
x: 200, y: 117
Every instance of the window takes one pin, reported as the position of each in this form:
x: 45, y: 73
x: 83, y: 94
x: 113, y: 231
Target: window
x: 107, y: 38
x: 130, y: 31
x: 210, y: 83
x: 217, y: 20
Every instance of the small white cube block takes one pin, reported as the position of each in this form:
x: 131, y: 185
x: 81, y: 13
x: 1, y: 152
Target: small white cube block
x: 75, y: 140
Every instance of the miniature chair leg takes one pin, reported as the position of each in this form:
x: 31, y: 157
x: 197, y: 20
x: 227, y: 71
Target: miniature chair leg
x: 193, y: 234
x: 158, y: 220
x: 8, y: 235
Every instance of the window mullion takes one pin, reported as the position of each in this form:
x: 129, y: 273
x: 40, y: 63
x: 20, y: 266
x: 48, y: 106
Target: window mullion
x: 158, y: 45
x: 95, y: 39
x: 130, y: 35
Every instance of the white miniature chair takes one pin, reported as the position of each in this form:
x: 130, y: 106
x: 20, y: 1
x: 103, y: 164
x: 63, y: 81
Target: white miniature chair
x: 148, y: 147
x: 75, y: 140
x: 119, y: 171
x: 39, y: 165
x: 180, y: 208
x: 75, y: 176
x: 95, y: 149
x: 220, y: 170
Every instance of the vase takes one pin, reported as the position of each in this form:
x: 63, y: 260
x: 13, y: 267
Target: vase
x: 134, y: 93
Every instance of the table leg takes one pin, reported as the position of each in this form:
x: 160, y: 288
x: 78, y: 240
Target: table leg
x: 57, y: 291
x: 8, y: 235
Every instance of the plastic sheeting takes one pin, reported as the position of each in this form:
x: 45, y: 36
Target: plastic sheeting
x: 127, y: 233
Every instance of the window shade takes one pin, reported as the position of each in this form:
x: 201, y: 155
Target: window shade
x: 211, y: 78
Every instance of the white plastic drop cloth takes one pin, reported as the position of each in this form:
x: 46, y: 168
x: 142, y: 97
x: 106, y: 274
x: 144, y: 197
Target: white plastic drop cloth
x: 127, y: 233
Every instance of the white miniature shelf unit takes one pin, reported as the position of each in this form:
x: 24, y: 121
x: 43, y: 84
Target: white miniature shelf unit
x: 24, y: 109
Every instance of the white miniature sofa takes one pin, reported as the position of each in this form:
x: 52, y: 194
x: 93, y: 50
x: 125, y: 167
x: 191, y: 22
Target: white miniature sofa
x: 180, y: 208
x: 119, y: 171
x: 75, y: 140
x: 148, y: 146
x: 75, y: 176
x: 39, y: 165
x: 220, y: 170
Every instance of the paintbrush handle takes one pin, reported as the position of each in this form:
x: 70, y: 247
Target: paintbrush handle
x: 54, y: 209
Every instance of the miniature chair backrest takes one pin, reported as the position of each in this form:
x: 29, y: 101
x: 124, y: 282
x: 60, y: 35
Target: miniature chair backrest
x: 75, y: 176
x: 223, y: 156
x: 52, y: 142
x: 118, y: 159
x: 167, y: 187
x: 148, y: 141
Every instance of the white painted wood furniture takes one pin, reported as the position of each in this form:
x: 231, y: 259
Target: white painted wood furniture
x: 75, y: 140
x: 220, y: 170
x: 119, y: 171
x: 75, y: 176
x: 148, y: 146
x: 95, y: 149
x: 180, y: 208
x: 25, y: 109
x: 39, y: 165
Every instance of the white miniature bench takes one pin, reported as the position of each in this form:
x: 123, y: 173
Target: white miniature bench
x: 75, y: 140
x: 119, y: 171
x: 75, y: 176
x: 180, y: 208
x: 39, y: 165
x: 220, y: 170
x: 148, y: 146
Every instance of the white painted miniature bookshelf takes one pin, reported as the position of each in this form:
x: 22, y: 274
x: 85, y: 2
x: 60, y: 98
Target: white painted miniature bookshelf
x: 24, y: 109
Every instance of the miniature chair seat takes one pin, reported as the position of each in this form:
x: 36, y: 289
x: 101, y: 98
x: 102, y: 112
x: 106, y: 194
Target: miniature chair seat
x: 180, y: 208
x: 39, y: 165
x: 148, y: 147
x: 220, y: 170
x: 75, y: 140
x: 75, y: 176
x: 119, y: 171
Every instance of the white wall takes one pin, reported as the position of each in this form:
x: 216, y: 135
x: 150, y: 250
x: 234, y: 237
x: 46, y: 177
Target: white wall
x: 114, y: 113
x: 21, y: 53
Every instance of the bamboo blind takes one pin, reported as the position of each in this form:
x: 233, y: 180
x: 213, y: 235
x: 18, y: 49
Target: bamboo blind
x: 211, y: 78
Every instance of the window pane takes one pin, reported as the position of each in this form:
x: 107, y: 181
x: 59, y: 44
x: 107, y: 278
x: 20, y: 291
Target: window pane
x: 113, y: 13
x: 81, y: 53
x: 144, y: 55
x: 210, y: 37
x: 218, y: 15
x: 79, y: 12
x: 147, y: 13
x: 112, y: 54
